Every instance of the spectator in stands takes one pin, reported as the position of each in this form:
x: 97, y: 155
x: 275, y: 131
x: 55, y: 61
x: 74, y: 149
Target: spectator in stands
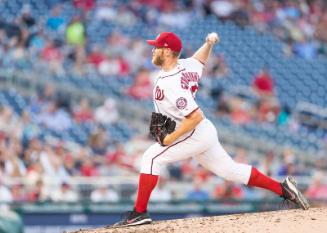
x: 5, y: 194
x: 228, y: 190
x: 107, y: 113
x: 104, y: 194
x: 134, y: 149
x: 19, y: 52
x: 317, y: 189
x: 47, y: 93
x: 284, y: 116
x: 75, y: 32
x: 88, y: 167
x: 124, y: 68
x: 125, y: 17
x: 35, y: 172
x: 76, y: 37
x: 28, y: 129
x: 83, y: 113
x: 37, y: 42
x: 306, y: 49
x: 141, y: 89
x: 13, y: 33
x: 18, y: 193
x: 105, y: 11
x: 26, y: 19
x: 8, y: 121
x: 175, y: 16
x: 321, y: 159
x: 64, y: 194
x: 2, y: 164
x: 268, y: 110
x: 51, y: 54
x: 52, y: 164
x: 55, y: 21
x: 70, y: 165
x: 161, y: 193
x: 288, y: 48
x: 240, y: 15
x: 116, y: 44
x: 251, y: 193
x: 14, y: 166
x: 33, y: 149
x: 119, y: 157
x: 54, y: 118
x: 241, y: 155
x: 222, y: 9
x: 183, y: 170
x: 109, y: 67
x: 197, y: 193
x: 241, y: 111
x: 215, y: 69
x: 96, y: 56
x: 114, y: 65
x: 202, y: 173
x: 38, y: 192
x: 223, y: 107
x: 218, y: 67
x: 85, y: 5
x: 263, y: 84
x: 135, y: 56
x: 268, y: 165
x: 321, y: 32
x: 289, y: 167
x: 98, y: 142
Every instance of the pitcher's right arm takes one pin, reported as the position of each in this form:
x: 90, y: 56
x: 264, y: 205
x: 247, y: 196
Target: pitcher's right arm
x: 203, y: 53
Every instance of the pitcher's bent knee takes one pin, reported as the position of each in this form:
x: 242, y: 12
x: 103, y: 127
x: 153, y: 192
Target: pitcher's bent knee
x: 236, y: 172
x: 150, y: 164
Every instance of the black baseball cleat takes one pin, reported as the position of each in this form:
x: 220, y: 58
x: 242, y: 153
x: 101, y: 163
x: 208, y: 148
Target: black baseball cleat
x: 291, y: 193
x: 133, y: 218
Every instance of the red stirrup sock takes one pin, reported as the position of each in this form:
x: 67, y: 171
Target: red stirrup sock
x: 147, y: 183
x: 260, y: 180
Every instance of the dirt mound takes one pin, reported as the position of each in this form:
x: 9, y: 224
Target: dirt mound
x: 286, y: 221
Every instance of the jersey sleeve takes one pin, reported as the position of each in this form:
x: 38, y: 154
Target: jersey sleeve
x: 192, y: 64
x: 182, y: 100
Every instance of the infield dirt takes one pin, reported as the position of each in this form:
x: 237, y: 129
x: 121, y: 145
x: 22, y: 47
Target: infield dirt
x: 313, y: 220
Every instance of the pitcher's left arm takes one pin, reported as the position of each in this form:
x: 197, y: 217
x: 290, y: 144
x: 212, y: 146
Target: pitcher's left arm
x: 188, y: 123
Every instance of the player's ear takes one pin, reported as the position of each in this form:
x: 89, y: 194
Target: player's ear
x: 175, y: 54
x: 165, y: 51
x: 169, y: 52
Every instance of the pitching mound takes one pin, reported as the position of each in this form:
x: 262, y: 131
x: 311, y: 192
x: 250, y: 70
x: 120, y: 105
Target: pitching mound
x: 286, y: 221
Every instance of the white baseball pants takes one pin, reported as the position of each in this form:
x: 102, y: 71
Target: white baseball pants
x: 203, y: 145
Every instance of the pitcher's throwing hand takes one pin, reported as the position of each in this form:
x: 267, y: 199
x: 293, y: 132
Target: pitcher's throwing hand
x: 212, y: 38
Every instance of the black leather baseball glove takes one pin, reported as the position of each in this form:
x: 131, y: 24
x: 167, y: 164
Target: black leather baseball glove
x: 160, y: 126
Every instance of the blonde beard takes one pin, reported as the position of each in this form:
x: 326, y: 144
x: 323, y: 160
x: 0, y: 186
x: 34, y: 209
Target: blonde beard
x: 157, y: 60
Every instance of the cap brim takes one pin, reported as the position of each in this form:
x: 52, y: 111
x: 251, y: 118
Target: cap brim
x: 151, y: 42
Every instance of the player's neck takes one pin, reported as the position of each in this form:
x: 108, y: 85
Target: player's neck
x: 169, y: 65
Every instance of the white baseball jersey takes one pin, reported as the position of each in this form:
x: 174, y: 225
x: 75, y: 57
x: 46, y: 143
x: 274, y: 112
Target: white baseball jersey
x: 174, y: 96
x: 174, y: 91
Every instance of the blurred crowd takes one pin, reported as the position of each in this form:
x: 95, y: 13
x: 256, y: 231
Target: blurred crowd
x: 256, y: 104
x: 60, y: 42
x: 34, y: 168
x: 46, y: 170
x: 60, y: 45
x: 301, y: 24
x: 37, y: 160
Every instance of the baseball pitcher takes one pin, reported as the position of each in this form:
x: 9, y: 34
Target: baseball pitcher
x: 182, y: 131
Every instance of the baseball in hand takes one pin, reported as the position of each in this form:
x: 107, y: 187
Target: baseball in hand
x: 212, y: 38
